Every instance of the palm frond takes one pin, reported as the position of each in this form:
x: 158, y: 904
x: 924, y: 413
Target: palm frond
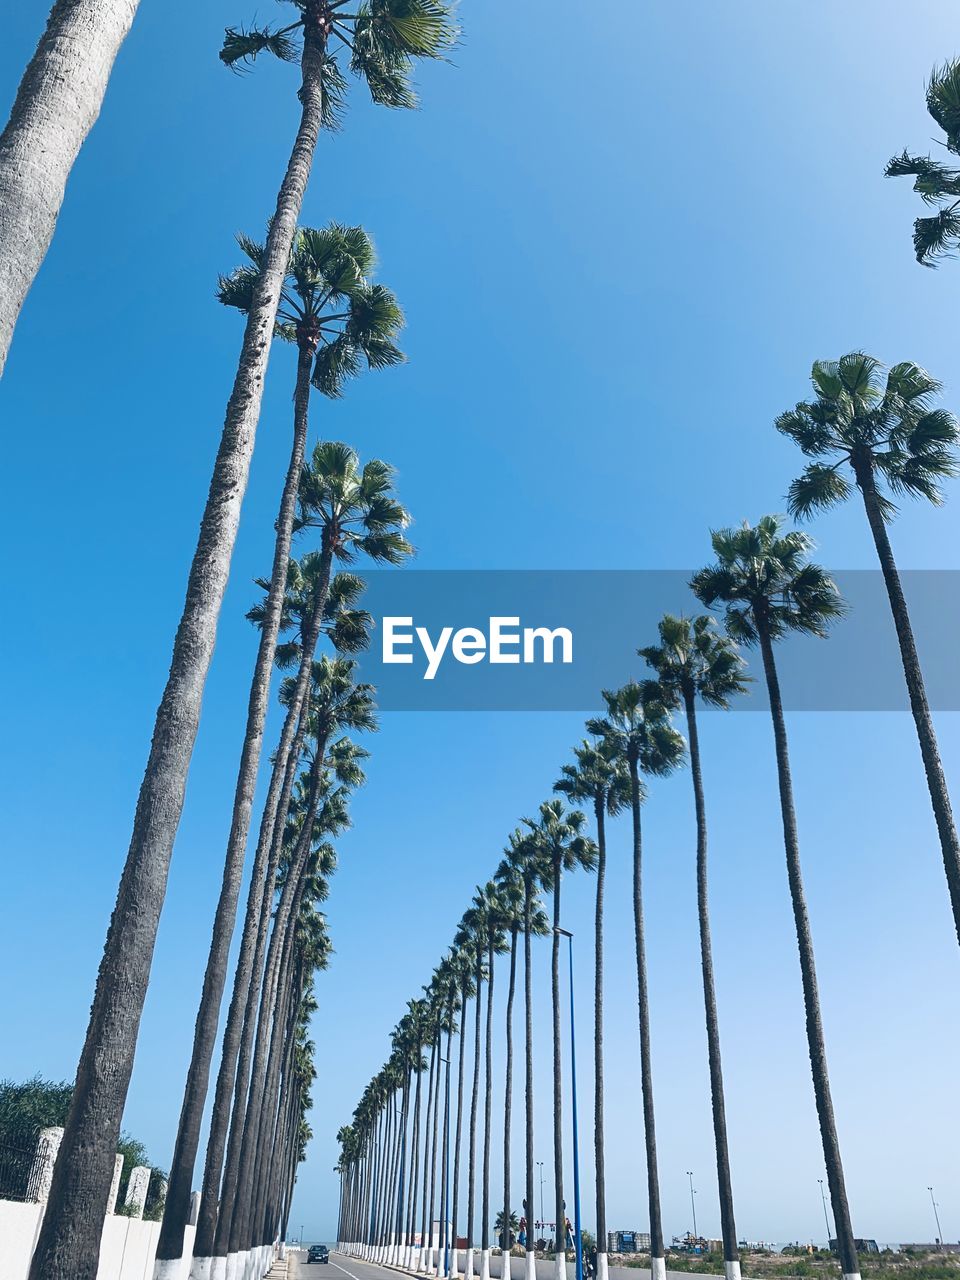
x: 937, y: 237
x: 242, y: 45
x: 816, y: 489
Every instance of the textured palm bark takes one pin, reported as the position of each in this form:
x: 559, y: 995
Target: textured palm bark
x: 177, y: 1207
x: 474, y: 1102
x: 598, y: 1032
x: 728, y: 1224
x: 454, y: 1219
x: 811, y: 995
x: 56, y: 106
x: 646, y: 1069
x: 528, y: 1058
x: 560, y: 1237
x: 69, y: 1241
x: 919, y: 706
x: 212, y: 1236
x: 508, y: 1091
x: 487, y: 1100
x: 397, y: 1215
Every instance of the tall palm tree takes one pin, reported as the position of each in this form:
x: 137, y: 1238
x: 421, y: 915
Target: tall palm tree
x: 511, y: 899
x: 327, y: 310
x: 694, y: 659
x: 56, y: 106
x: 523, y: 854
x: 337, y: 702
x: 385, y: 41
x: 465, y: 964
x: 882, y: 424
x: 937, y: 184
x: 358, y: 515
x: 471, y: 936
x: 558, y: 836
x: 598, y: 777
x: 769, y: 587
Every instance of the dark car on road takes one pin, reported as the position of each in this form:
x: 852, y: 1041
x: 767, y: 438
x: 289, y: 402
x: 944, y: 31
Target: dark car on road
x: 318, y: 1253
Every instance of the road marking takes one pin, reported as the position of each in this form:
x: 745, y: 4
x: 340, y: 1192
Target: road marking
x: 346, y: 1272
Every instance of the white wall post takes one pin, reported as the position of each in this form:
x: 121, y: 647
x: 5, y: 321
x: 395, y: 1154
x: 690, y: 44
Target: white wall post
x: 115, y: 1184
x: 41, y: 1174
x: 136, y: 1196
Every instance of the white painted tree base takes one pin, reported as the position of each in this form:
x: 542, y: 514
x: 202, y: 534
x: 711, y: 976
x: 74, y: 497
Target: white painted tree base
x: 230, y: 1272
x: 484, y: 1264
x: 454, y: 1264
x: 530, y: 1265
x: 731, y: 1270
x: 429, y: 1264
x: 167, y: 1268
x: 851, y: 1275
x: 218, y: 1269
x: 560, y: 1266
x: 603, y: 1272
x: 202, y: 1268
x: 468, y: 1265
x: 658, y: 1269
x: 506, y: 1265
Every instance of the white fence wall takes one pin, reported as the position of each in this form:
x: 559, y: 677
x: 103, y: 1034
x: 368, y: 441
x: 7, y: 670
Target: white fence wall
x: 127, y: 1247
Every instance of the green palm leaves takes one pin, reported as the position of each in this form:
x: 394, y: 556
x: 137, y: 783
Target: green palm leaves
x: 382, y: 40
x: 764, y: 578
x: 695, y: 657
x: 882, y: 422
x: 328, y: 305
x: 937, y: 184
x: 637, y: 729
x: 353, y: 505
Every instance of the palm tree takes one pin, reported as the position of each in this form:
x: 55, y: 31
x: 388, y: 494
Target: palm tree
x: 599, y: 776
x: 385, y: 41
x: 327, y: 272
x: 464, y: 962
x: 524, y: 856
x: 337, y: 702
x: 937, y: 184
x: 562, y: 846
x: 357, y: 514
x: 694, y: 659
x: 471, y: 935
x: 886, y: 430
x: 769, y: 586
x: 56, y: 106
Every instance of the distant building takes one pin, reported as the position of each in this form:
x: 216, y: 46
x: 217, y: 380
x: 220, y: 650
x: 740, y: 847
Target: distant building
x: 628, y: 1242
x: 861, y: 1246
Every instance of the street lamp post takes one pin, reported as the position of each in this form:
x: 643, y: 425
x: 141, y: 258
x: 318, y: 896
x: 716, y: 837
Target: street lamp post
x: 693, y: 1207
x: 444, y: 1232
x: 543, y: 1224
x: 937, y: 1217
x: 578, y: 1235
x: 826, y: 1220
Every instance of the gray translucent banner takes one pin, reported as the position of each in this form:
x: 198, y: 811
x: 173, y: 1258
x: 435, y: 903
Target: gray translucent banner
x: 598, y: 620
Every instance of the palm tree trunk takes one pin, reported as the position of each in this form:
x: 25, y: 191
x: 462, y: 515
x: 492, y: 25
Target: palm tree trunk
x: 598, y: 1047
x: 421, y: 1254
x: 658, y: 1266
x: 474, y: 1099
x: 811, y: 995
x: 920, y: 708
x: 455, y: 1267
x: 728, y: 1227
x: 433, y: 1154
x: 284, y: 922
x: 560, y: 1227
x: 487, y: 1117
x: 445, y: 1167
x: 508, y: 1107
x: 56, y: 106
x: 69, y: 1241
x: 530, y: 1253
x: 177, y: 1207
x: 415, y: 1165
x: 212, y: 1236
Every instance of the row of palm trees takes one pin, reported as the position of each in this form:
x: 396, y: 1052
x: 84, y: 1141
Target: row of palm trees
x: 874, y: 430
x: 312, y: 288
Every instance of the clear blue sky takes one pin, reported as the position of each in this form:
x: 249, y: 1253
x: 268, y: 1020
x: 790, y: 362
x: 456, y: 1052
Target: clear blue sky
x: 621, y: 236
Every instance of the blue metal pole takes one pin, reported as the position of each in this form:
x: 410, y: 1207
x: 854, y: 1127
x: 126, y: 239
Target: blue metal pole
x: 578, y: 1238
